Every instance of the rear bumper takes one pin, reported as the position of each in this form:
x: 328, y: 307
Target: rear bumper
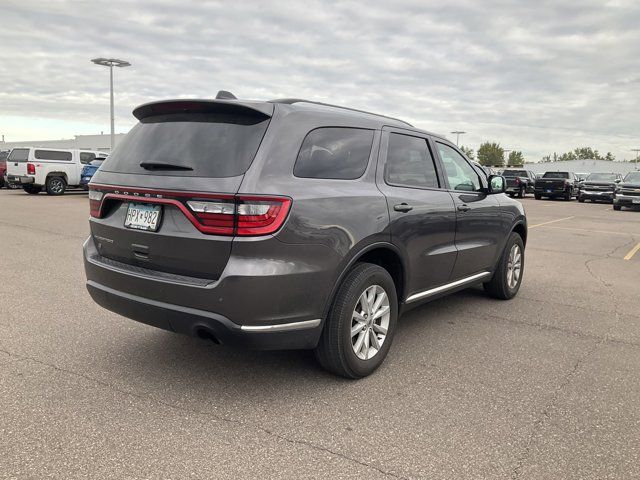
x: 20, y: 180
x: 199, y: 323
x: 551, y: 192
x: 258, y: 307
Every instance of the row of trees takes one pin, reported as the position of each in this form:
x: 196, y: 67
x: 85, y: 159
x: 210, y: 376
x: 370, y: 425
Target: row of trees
x: 491, y: 153
x: 580, y: 153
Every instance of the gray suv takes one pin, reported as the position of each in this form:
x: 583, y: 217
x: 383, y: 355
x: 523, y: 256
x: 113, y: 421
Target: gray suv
x: 290, y: 224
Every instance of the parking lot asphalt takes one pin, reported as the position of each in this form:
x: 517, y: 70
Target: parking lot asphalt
x: 543, y: 386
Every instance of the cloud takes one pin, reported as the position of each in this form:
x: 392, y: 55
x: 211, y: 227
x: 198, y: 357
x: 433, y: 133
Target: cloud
x: 536, y: 76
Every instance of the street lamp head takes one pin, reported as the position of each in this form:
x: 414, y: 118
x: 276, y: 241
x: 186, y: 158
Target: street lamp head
x: 110, y: 62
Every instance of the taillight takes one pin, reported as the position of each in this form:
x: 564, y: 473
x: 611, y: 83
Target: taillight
x: 243, y: 215
x: 260, y: 215
x: 31, y: 169
x: 218, y: 217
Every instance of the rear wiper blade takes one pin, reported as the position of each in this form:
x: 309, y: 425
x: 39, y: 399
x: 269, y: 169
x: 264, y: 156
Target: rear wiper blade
x: 164, y: 166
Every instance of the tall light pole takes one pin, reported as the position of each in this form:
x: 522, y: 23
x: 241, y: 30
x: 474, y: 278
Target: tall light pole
x: 457, y: 134
x: 637, y: 150
x: 111, y: 62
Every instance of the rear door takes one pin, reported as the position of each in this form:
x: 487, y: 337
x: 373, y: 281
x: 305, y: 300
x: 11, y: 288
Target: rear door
x: 163, y: 199
x: 422, y: 213
x: 478, y: 225
x: 17, y: 162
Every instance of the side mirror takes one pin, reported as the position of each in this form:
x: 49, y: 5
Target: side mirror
x: 497, y: 184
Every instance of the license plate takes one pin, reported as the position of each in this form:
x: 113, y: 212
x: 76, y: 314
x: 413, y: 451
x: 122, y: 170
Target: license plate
x: 636, y: 200
x: 86, y: 178
x: 549, y: 190
x: 143, y: 217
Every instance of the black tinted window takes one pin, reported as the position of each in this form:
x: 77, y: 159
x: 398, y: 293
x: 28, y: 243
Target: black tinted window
x: 332, y: 152
x: 52, y: 155
x: 19, y: 155
x: 86, y: 157
x: 514, y: 173
x: 409, y: 162
x: 208, y: 144
x: 556, y: 175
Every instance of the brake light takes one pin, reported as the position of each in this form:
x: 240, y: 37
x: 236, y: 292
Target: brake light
x: 260, y: 215
x: 243, y: 215
x: 31, y: 169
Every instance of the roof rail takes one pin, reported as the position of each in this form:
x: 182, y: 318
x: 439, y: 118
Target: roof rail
x: 290, y: 101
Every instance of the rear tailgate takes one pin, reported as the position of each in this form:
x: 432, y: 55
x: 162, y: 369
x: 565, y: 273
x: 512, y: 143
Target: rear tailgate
x: 17, y: 162
x: 171, y: 214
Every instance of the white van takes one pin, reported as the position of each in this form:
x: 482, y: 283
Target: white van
x: 53, y: 169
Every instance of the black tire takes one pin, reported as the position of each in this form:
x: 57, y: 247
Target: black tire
x: 335, y: 351
x: 56, y: 185
x: 498, y: 286
x: 31, y: 189
x: 537, y: 196
x: 617, y: 207
x: 581, y: 199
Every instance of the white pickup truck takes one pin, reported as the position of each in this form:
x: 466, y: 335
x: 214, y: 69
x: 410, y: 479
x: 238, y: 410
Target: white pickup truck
x: 52, y: 169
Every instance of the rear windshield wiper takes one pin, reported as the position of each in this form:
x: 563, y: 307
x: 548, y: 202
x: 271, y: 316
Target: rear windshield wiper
x: 164, y: 166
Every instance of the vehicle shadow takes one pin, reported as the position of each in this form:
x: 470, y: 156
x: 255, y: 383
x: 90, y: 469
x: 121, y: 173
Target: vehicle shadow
x: 185, y: 366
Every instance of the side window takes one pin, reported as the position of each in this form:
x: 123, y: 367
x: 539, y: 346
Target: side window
x: 87, y: 157
x: 334, y: 153
x: 409, y: 162
x: 53, y: 155
x: 461, y: 175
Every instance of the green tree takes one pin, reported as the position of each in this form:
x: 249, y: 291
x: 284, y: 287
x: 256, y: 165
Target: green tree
x: 491, y: 154
x: 609, y: 157
x: 515, y: 158
x: 468, y: 151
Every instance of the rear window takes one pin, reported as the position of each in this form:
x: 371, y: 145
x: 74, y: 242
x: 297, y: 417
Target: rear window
x: 86, y: 157
x: 556, y: 175
x: 514, y: 173
x: 206, y: 144
x: 52, y: 155
x: 19, y: 155
x: 334, y: 153
x: 603, y: 177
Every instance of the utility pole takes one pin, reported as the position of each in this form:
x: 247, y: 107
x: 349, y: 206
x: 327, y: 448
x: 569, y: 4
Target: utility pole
x: 637, y: 150
x: 111, y: 62
x: 506, y: 160
x: 457, y: 134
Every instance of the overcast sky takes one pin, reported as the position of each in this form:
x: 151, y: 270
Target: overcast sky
x: 534, y: 76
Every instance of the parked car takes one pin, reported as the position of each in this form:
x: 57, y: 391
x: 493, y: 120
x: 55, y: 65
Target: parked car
x: 51, y: 169
x: 289, y: 224
x: 628, y: 192
x: 3, y: 167
x: 88, y: 171
x: 599, y: 186
x: 556, y: 184
x: 519, y: 182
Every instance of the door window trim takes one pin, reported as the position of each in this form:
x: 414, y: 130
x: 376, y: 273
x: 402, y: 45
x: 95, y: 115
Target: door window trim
x: 384, y: 150
x: 483, y: 185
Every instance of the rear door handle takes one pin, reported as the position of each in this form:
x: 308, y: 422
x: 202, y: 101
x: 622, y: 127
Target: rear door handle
x: 403, y: 207
x: 463, y: 208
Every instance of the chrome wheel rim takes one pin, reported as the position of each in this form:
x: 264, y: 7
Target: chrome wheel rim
x: 514, y: 266
x: 370, y: 322
x: 56, y: 186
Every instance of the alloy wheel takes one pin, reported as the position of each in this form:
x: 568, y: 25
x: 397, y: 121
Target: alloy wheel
x: 370, y: 322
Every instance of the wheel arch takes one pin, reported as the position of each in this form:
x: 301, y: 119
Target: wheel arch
x: 384, y: 254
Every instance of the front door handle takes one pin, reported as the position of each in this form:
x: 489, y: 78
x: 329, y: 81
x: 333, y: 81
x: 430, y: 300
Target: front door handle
x: 403, y: 207
x: 463, y: 208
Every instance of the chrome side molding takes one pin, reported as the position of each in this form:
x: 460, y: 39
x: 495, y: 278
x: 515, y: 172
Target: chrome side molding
x: 448, y: 286
x: 282, y: 327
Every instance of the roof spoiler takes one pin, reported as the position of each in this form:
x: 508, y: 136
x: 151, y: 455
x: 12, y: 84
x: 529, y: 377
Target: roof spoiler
x: 223, y: 106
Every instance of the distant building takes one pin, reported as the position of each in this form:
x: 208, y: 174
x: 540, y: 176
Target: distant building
x: 88, y: 142
x: 584, y: 166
